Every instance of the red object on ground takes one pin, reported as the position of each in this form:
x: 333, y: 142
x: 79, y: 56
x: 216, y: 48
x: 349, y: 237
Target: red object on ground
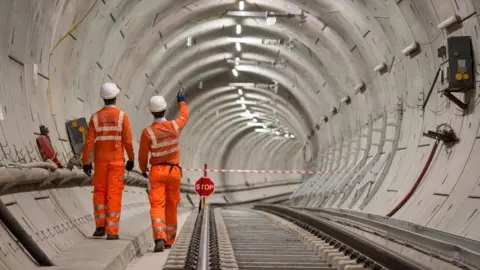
x: 46, y: 150
x: 204, y: 187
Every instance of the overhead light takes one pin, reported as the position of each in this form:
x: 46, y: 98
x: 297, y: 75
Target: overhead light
x: 410, y: 49
x: 244, y: 106
x: 334, y: 110
x: 292, y: 136
x: 271, y: 20
x: 235, y: 72
x: 241, y: 5
x: 242, y: 99
x: 262, y: 130
x: 247, y: 111
x: 379, y: 67
x: 277, y: 133
x: 346, y: 99
x: 449, y: 22
x: 252, y: 124
x: 255, y: 120
x: 239, y: 29
x: 286, y: 135
x: 264, y: 125
x: 237, y: 61
x: 360, y: 88
x: 189, y: 41
x: 238, y: 46
x: 240, y: 92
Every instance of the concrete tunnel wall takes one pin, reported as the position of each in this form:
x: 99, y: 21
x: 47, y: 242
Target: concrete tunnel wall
x: 371, y: 151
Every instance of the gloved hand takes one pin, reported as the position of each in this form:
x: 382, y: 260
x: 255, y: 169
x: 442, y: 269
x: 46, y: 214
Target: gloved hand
x: 87, y: 169
x: 180, y: 96
x: 129, y: 165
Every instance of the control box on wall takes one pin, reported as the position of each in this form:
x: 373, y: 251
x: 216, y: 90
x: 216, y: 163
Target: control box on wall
x: 457, y: 72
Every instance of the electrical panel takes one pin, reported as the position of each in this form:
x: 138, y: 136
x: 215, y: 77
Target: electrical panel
x: 457, y: 69
x: 77, y: 133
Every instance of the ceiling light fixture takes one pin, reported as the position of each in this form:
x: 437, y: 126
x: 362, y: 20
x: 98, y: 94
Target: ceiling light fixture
x: 189, y: 41
x: 239, y: 29
x: 255, y: 120
x: 241, y: 5
x: 292, y: 136
x: 244, y: 106
x: 235, y: 72
x: 247, y: 111
x: 238, y: 46
x: 262, y: 130
x: 240, y: 92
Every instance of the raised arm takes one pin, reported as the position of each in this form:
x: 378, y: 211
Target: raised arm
x: 182, y: 115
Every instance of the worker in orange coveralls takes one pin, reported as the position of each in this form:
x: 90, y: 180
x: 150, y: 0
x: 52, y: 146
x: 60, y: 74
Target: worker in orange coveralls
x: 109, y: 134
x: 161, y: 140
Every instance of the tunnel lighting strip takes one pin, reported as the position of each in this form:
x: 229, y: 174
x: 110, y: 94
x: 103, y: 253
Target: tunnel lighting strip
x: 261, y: 171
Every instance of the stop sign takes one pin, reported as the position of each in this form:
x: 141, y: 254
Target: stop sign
x: 204, y: 187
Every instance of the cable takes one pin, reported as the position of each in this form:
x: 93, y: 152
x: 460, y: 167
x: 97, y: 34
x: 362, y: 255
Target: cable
x: 49, y: 89
x: 417, y: 182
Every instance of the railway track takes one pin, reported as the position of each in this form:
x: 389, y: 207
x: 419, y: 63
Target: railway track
x: 274, y: 237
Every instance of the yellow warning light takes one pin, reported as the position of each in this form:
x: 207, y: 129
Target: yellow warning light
x: 466, y: 76
x: 74, y: 124
x: 81, y: 129
x: 459, y: 76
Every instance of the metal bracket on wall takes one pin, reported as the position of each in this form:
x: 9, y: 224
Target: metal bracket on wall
x: 455, y: 100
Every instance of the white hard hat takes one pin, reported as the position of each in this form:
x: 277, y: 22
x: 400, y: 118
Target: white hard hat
x: 109, y: 90
x: 157, y: 104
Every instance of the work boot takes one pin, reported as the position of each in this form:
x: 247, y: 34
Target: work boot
x: 112, y: 237
x: 159, y: 246
x: 99, y: 232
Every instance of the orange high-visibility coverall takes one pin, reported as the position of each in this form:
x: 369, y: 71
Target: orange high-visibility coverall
x: 161, y: 140
x: 109, y: 133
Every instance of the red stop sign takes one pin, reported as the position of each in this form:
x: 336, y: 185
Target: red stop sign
x: 204, y: 187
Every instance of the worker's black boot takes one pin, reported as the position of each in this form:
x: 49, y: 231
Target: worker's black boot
x: 159, y: 246
x: 112, y: 237
x: 99, y: 232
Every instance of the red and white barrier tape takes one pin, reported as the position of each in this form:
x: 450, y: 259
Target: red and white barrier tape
x: 260, y: 171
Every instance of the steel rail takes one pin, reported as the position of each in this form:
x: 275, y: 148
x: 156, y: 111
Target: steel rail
x: 203, y: 259
x: 375, y: 253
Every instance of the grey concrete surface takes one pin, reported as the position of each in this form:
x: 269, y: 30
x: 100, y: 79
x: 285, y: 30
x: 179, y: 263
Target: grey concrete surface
x: 150, y: 259
x: 54, y: 56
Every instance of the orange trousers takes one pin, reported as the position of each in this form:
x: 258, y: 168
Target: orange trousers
x: 164, y: 197
x: 108, y: 188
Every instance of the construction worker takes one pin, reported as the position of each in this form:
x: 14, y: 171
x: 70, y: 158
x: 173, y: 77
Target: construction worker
x: 161, y: 140
x: 109, y: 134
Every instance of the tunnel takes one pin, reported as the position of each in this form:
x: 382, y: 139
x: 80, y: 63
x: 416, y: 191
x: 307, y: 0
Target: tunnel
x: 364, y: 109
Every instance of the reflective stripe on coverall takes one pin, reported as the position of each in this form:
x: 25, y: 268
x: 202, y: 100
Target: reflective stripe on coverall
x: 108, y: 133
x: 161, y: 140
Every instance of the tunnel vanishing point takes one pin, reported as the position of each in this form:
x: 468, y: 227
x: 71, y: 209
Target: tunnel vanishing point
x: 362, y: 105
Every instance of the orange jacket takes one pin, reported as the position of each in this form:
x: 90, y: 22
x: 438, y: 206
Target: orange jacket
x: 161, y: 139
x: 109, y: 131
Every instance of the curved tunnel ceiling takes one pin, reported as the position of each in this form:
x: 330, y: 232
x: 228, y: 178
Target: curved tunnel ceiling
x: 142, y: 46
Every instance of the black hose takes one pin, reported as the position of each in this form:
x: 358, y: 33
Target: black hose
x: 431, y: 88
x: 23, y: 237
